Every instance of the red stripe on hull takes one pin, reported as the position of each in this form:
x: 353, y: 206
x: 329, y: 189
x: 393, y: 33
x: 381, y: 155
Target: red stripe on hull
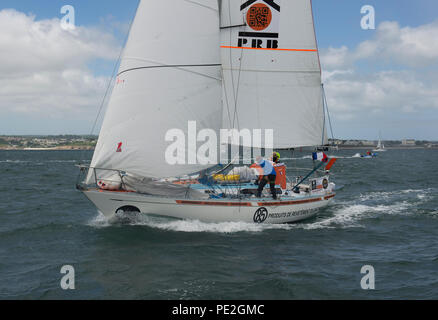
x: 208, y: 203
x: 286, y: 203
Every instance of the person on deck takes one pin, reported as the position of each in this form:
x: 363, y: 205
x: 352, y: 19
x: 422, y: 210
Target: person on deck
x: 280, y: 169
x: 276, y: 158
x: 269, y: 176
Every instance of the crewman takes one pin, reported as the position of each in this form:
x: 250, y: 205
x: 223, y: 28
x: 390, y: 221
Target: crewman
x: 269, y: 176
x: 276, y: 157
x: 280, y: 169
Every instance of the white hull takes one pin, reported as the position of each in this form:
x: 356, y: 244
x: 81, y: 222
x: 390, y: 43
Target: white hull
x: 288, y: 210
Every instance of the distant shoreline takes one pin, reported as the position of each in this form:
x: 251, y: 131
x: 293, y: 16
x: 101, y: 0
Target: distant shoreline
x: 88, y: 143
x: 386, y: 148
x: 49, y: 149
x: 70, y: 148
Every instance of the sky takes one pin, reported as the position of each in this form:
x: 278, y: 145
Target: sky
x: 384, y: 80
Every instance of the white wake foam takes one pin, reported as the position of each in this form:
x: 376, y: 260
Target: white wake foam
x: 15, y: 161
x: 422, y: 195
x: 168, y: 224
x: 222, y: 227
x: 375, y: 204
x: 357, y: 155
x: 99, y: 221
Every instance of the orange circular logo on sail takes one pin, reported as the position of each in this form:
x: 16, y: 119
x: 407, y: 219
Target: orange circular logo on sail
x: 259, y: 17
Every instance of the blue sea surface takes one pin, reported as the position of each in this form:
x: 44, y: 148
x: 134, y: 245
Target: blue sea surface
x: 385, y: 215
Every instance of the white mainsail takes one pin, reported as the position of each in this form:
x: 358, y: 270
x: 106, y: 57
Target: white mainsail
x: 271, y: 70
x: 169, y: 74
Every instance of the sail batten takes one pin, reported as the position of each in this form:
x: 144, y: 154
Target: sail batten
x: 176, y: 67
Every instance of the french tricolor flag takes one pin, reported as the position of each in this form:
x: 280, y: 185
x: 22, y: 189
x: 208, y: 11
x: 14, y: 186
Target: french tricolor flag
x: 321, y: 156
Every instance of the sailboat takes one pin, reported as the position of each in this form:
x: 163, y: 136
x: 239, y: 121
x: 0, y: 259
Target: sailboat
x: 227, y: 64
x: 380, y: 146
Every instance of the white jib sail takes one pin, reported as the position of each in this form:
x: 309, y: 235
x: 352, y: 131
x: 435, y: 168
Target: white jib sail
x: 170, y: 74
x: 271, y: 70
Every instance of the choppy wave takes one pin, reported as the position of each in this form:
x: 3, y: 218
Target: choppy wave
x: 357, y: 155
x: 375, y: 204
x: 348, y: 216
x: 413, y: 195
x: 15, y: 161
x: 43, y: 162
x: 46, y: 161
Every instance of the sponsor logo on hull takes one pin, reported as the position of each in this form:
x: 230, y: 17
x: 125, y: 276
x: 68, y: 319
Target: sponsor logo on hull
x: 261, y: 215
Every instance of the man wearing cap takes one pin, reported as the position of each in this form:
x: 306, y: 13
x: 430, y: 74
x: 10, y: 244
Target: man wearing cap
x: 276, y: 158
x: 269, y: 175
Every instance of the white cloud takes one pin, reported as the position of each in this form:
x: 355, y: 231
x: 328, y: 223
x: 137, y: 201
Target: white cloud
x: 395, y: 82
x: 415, y: 47
x: 351, y: 94
x: 407, y: 46
x: 44, y: 68
x: 333, y: 58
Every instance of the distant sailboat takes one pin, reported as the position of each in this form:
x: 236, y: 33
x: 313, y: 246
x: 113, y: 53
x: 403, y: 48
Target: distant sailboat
x: 197, y: 60
x: 380, y: 146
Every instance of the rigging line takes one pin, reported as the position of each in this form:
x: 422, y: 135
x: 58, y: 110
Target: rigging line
x: 234, y: 26
x: 226, y: 96
x: 224, y: 86
x: 106, y: 93
x: 328, y: 113
x: 201, y: 5
x: 236, y: 114
x: 231, y: 62
x: 323, y: 111
x: 223, y: 73
x: 180, y: 67
x: 114, y: 71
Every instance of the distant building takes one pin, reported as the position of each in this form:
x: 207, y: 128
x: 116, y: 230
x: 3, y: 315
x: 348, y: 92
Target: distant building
x: 351, y: 143
x: 336, y: 142
x: 408, y: 142
x: 367, y: 143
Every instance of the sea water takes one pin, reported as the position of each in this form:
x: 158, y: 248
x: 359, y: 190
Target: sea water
x: 385, y: 215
